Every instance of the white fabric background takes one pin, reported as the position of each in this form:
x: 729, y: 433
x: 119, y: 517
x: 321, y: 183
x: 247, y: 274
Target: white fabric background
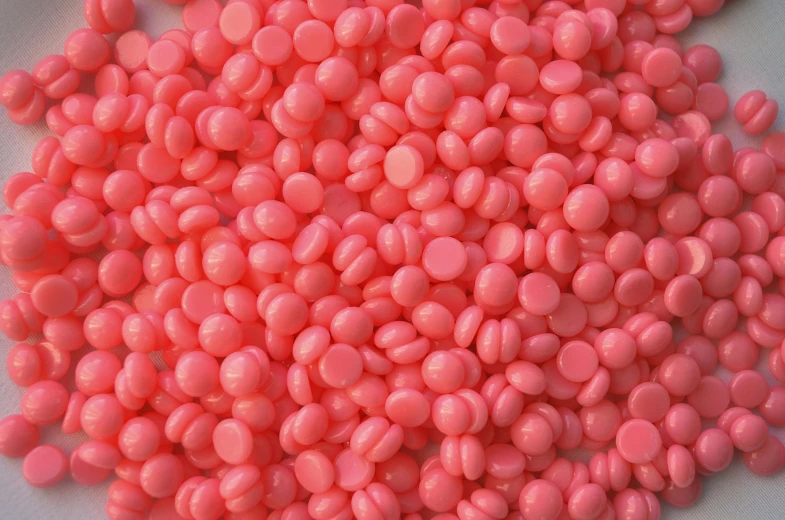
x: 748, y: 33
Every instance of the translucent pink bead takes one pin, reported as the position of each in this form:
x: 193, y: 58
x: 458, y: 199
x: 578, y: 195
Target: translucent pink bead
x: 335, y: 235
x: 87, y: 50
x: 107, y: 16
x: 56, y: 77
x: 755, y: 112
x: 44, y: 466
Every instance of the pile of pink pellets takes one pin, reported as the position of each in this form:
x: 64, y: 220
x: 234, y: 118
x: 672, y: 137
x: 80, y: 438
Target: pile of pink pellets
x: 275, y: 260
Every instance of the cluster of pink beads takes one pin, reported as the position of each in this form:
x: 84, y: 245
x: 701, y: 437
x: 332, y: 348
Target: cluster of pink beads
x: 380, y: 228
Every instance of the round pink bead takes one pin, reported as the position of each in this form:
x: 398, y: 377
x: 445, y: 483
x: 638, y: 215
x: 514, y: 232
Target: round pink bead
x: 44, y: 466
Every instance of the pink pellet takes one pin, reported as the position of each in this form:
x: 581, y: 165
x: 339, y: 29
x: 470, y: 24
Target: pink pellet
x: 108, y: 16
x: 44, y: 466
x: 357, y: 230
x: 755, y: 112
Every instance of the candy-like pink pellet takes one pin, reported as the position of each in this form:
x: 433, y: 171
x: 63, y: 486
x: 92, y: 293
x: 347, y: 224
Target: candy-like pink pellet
x: 108, y: 16
x: 44, y: 466
x: 56, y: 77
x: 17, y: 88
x: 17, y: 436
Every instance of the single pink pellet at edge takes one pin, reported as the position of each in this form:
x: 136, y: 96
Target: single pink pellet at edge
x: 45, y: 466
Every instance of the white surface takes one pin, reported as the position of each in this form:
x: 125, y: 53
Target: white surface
x: 747, y: 33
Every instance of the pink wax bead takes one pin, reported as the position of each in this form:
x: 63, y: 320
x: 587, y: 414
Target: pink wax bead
x: 679, y: 374
x: 23, y: 364
x: 638, y: 441
x: 704, y: 61
x: 560, y: 76
x: 139, y: 439
x: 577, y: 361
x: 85, y: 473
x: 55, y: 76
x: 755, y: 112
x: 438, y: 490
x: 101, y: 416
x: 197, y: 373
x: 87, y: 50
x: 747, y: 388
x: 352, y: 470
x: 107, y: 16
x: 541, y: 499
x: 661, y: 67
x: 753, y: 172
x: 570, y: 113
x: 31, y: 110
x: 713, y: 450
x: 165, y: 57
x: 44, y: 466
x: 749, y: 433
x: 510, y: 35
x: 44, y: 402
x: 54, y: 295
x: 22, y: 241
x: 17, y: 88
x: 657, y: 157
x: 228, y: 129
x: 17, y: 436
x: 388, y: 279
x: 768, y: 460
x: 712, y: 100
x: 315, y: 471
x: 161, y: 475
x: 233, y: 441
x: 95, y: 373
x: 586, y: 208
x: 19, y: 317
x: 239, y: 22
